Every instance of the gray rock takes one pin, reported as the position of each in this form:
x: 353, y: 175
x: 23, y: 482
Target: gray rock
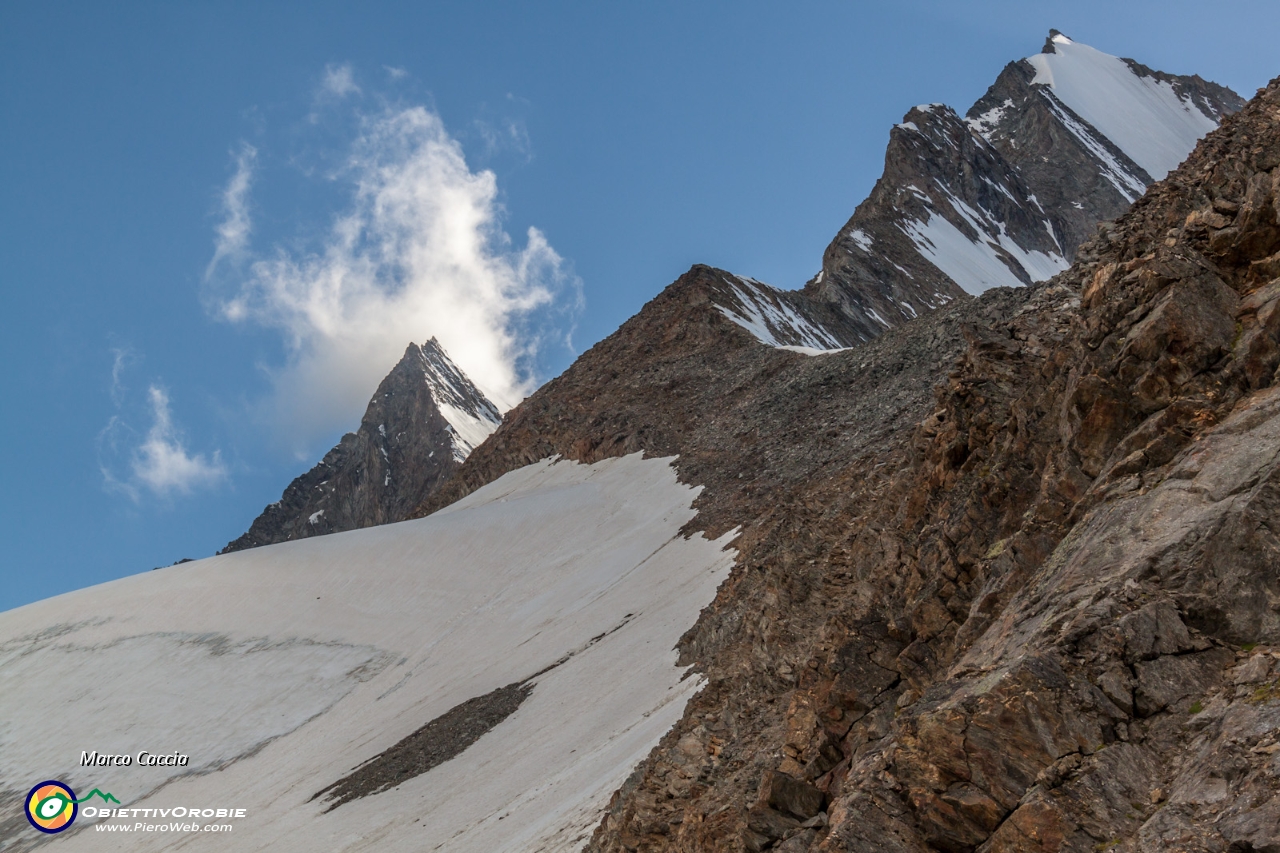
x: 1254, y: 670
x: 1117, y: 684
x: 403, y: 451
x: 791, y: 796
x: 1154, y: 630
x: 1165, y: 681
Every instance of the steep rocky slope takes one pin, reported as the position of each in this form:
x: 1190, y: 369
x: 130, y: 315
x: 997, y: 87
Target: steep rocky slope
x: 1063, y: 140
x: 1032, y: 610
x: 423, y: 420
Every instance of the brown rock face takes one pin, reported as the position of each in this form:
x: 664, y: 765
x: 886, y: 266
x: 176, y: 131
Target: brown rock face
x: 405, y: 448
x: 1033, y: 609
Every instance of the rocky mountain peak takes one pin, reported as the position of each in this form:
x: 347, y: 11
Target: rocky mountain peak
x: 425, y: 418
x: 1054, y: 37
x: 1063, y: 140
x: 471, y: 415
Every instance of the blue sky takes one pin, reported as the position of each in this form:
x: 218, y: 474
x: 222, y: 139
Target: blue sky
x: 221, y: 222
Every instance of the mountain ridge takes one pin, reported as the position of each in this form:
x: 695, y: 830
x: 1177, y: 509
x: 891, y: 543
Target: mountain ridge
x: 1004, y: 195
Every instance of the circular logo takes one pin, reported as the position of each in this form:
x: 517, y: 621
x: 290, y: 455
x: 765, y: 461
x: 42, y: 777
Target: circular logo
x: 51, y: 806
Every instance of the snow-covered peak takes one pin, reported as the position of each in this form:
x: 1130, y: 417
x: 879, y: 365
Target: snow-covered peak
x: 1141, y: 114
x: 470, y: 414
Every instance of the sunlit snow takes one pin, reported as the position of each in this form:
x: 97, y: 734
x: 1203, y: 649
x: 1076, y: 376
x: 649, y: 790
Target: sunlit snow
x: 468, y: 430
x: 862, y: 238
x: 978, y: 265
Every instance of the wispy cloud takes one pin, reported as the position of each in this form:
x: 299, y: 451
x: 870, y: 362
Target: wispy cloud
x: 340, y: 80
x: 503, y: 130
x: 157, y: 461
x: 162, y: 464
x: 507, y: 134
x: 121, y: 358
x: 231, y: 236
x: 420, y: 251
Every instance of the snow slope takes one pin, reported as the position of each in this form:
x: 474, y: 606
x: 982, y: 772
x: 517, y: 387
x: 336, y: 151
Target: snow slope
x: 1126, y: 182
x: 1143, y: 116
x: 281, y: 668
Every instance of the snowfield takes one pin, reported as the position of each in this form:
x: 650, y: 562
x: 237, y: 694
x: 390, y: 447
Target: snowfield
x: 1143, y: 116
x: 280, y: 669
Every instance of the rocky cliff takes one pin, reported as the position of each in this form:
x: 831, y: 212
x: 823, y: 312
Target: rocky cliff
x: 1006, y: 574
x: 423, y: 420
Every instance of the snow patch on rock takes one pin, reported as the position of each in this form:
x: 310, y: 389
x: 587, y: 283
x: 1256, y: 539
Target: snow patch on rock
x: 763, y: 311
x: 977, y: 265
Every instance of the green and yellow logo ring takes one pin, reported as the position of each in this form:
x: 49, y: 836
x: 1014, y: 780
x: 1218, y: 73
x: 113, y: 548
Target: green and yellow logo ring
x: 51, y: 806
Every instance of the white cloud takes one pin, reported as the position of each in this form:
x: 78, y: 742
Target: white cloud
x: 340, y: 80
x: 395, y: 73
x: 157, y: 461
x: 122, y: 358
x: 162, y: 463
x: 507, y: 135
x: 420, y: 251
x: 232, y: 234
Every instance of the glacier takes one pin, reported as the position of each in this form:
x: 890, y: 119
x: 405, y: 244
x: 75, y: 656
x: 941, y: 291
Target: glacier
x: 279, y: 669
